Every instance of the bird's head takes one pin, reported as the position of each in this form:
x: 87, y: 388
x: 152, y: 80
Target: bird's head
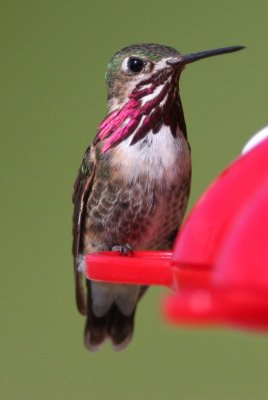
x: 142, y: 82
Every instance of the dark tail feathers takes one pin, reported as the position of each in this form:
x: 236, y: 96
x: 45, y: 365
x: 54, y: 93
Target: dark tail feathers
x: 113, y: 325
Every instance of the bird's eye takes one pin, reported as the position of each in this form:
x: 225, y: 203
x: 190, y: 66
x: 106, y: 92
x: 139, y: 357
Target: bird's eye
x: 135, y: 65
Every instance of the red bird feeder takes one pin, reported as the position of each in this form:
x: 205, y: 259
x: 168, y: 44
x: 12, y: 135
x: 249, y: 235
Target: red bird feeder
x: 220, y: 259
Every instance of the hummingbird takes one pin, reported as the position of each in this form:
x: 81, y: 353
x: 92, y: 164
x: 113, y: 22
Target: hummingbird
x: 133, y: 185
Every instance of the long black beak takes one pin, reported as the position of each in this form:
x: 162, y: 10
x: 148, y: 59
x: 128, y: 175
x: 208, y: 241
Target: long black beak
x: 189, y: 58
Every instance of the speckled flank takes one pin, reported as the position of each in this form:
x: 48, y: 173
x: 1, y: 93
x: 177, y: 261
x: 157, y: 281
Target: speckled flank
x: 123, y: 214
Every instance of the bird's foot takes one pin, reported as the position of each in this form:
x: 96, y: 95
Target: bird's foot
x: 124, y: 250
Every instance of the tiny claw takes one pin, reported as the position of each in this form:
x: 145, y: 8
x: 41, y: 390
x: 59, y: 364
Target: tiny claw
x: 124, y: 250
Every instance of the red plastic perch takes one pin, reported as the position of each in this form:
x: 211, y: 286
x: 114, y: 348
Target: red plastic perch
x: 144, y: 268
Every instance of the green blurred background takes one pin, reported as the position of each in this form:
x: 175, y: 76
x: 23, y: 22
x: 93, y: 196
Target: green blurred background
x: 53, y: 59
